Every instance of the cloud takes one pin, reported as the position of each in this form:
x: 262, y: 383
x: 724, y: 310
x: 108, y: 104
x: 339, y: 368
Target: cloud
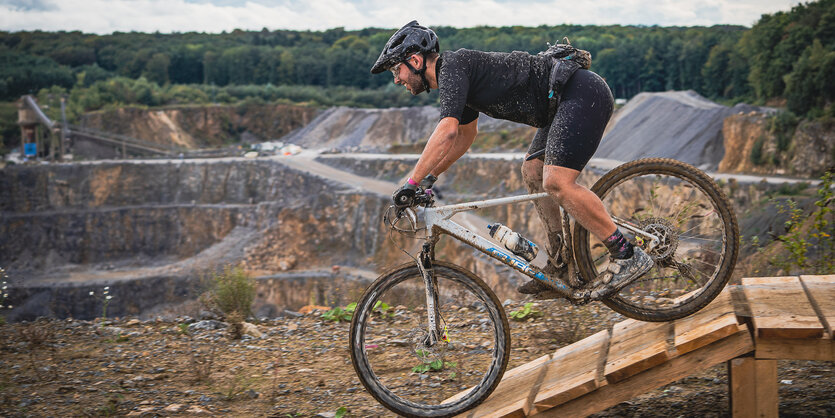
x: 106, y: 16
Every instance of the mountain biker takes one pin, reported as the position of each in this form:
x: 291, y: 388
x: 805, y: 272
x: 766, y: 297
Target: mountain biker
x: 515, y: 86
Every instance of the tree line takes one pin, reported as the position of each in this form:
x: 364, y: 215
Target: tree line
x: 787, y: 56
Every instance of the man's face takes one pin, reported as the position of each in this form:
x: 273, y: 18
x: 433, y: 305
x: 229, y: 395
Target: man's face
x: 403, y: 75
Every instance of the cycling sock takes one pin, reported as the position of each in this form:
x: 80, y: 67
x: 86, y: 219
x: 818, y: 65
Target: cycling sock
x: 619, y: 246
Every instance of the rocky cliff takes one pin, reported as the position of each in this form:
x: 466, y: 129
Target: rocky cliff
x: 203, y: 126
x: 753, y: 146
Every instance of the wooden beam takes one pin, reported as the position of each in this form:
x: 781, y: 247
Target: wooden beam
x: 573, y: 372
x: 512, y: 397
x: 821, y: 292
x: 780, y: 308
x: 675, y: 369
x: 822, y: 349
x: 753, y: 387
x: 716, y: 321
x: 636, y: 346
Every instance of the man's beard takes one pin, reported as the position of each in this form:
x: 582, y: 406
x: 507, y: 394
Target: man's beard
x: 415, y: 84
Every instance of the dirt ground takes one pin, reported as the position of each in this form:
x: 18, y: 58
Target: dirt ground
x: 300, y: 367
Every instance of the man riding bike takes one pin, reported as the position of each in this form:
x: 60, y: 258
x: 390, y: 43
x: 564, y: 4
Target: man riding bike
x: 519, y: 87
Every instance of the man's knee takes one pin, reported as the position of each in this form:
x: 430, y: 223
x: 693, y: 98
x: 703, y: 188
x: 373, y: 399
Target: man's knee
x: 532, y: 174
x: 557, y: 186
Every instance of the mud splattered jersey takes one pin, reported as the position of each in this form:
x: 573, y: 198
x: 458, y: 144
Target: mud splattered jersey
x: 503, y: 85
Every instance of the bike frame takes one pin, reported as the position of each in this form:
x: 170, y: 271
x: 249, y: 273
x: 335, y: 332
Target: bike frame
x: 438, y: 222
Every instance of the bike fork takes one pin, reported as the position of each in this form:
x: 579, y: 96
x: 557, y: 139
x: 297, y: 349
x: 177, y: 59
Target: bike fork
x: 431, y: 285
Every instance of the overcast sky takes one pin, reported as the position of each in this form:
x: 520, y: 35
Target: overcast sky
x: 107, y: 16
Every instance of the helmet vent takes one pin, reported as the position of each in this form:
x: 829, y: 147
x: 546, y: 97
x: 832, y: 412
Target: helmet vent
x: 397, y: 41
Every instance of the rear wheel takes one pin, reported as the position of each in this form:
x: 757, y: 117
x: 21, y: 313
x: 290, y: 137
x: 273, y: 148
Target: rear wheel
x: 388, y: 342
x: 697, y: 228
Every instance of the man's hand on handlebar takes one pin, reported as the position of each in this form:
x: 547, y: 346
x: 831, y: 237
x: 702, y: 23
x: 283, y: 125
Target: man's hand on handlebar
x: 404, y: 197
x: 412, y: 193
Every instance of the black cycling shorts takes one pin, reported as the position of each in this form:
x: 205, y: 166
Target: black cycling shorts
x: 572, y: 138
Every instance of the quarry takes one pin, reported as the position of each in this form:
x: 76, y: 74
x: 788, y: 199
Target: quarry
x: 306, y: 224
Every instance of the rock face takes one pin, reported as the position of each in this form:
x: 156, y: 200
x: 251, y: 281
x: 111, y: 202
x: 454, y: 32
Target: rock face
x: 141, y: 226
x: 741, y: 132
x: 809, y: 153
x: 813, y: 146
x: 202, y: 126
x: 681, y: 125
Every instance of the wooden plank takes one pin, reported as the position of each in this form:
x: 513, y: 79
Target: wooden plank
x: 822, y: 349
x: 753, y: 387
x: 821, y: 291
x: 512, y: 395
x: 572, y: 372
x: 714, y: 322
x: 635, y: 347
x: 675, y: 369
x: 780, y: 308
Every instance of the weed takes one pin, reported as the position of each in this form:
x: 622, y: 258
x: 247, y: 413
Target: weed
x: 525, y: 313
x: 824, y: 225
x: 105, y: 300
x: 382, y: 308
x: 183, y: 329
x: 201, y: 362
x: 236, y: 385
x: 340, y: 412
x: 341, y: 314
x: 4, y: 294
x: 804, y: 234
x: 231, y: 291
x: 435, y: 366
x: 236, y: 325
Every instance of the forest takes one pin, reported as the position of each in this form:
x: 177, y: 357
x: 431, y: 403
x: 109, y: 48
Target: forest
x: 785, y: 59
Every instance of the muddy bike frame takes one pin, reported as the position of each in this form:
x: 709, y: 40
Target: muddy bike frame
x: 437, y: 220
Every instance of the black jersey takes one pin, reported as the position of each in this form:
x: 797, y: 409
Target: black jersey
x: 503, y: 85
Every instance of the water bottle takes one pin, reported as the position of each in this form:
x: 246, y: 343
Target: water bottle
x: 514, y: 242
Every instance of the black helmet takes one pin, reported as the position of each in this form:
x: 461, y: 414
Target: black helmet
x: 410, y: 39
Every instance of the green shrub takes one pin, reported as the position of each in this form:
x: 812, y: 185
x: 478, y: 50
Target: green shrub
x: 231, y: 291
x: 757, y: 151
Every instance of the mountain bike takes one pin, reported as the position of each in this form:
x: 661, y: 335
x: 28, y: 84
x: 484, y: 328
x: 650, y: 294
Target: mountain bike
x: 429, y: 338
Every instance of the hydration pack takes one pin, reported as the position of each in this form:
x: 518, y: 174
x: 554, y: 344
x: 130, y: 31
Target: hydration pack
x: 567, y: 60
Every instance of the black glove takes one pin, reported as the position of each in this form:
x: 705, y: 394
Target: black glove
x: 427, y: 182
x: 405, y: 195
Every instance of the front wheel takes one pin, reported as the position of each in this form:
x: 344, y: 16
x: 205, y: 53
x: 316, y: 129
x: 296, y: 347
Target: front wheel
x: 389, y: 347
x: 699, y: 237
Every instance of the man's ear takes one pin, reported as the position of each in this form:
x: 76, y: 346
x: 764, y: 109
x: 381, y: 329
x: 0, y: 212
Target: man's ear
x: 418, y: 61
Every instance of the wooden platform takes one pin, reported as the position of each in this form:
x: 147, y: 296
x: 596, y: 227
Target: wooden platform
x: 784, y: 318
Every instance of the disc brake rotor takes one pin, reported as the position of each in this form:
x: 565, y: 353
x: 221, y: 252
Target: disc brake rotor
x: 667, y: 236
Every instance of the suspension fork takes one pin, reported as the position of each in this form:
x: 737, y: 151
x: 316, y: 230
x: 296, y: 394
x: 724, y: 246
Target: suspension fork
x: 427, y: 256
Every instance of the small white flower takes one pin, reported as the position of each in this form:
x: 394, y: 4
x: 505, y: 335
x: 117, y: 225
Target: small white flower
x: 92, y: 293
x: 107, y: 288
x: 109, y: 297
x: 5, y: 287
x: 10, y: 306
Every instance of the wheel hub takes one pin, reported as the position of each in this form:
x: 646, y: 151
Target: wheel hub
x: 667, y: 237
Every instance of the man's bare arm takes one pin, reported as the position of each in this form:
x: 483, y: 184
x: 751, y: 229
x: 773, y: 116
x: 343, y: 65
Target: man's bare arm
x: 437, y: 149
x: 465, y: 138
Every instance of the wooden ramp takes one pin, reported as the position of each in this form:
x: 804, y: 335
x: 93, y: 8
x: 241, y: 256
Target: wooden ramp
x: 748, y: 326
